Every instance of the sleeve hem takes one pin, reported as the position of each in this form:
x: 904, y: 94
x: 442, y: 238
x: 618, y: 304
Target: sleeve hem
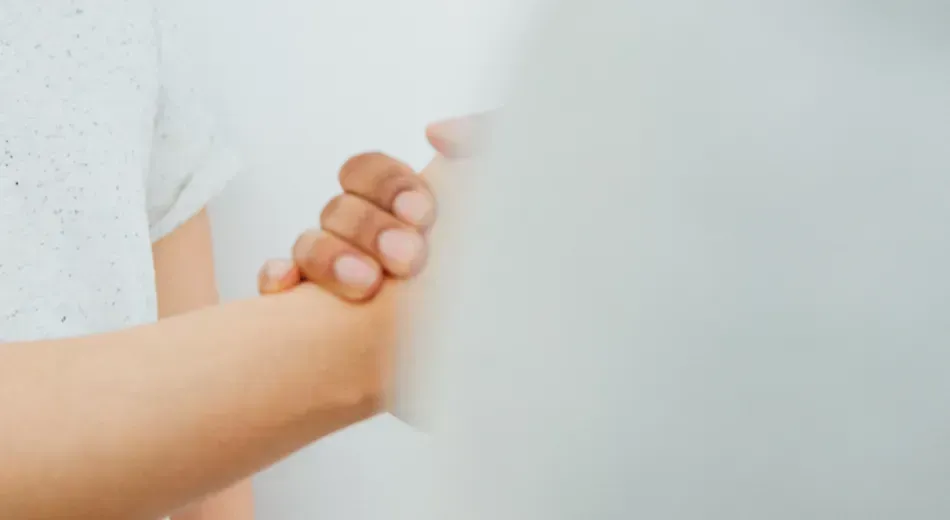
x: 205, y: 185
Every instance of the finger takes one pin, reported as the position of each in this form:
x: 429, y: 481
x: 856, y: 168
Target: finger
x: 337, y: 266
x: 391, y: 185
x: 400, y: 249
x: 457, y: 138
x: 432, y: 173
x: 277, y: 276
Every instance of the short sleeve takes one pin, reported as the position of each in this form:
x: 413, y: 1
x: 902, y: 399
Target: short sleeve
x: 190, y: 161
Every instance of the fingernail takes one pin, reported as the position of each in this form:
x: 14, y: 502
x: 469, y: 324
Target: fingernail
x: 278, y: 269
x: 413, y: 207
x: 354, y: 271
x: 400, y: 246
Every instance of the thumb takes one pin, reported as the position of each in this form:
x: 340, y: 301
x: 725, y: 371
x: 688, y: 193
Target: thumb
x: 277, y: 276
x: 456, y: 138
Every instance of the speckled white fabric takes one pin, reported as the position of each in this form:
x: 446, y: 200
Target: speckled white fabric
x: 103, y: 150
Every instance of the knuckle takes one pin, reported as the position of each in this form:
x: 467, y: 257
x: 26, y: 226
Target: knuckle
x: 377, y: 177
x: 307, y: 261
x: 303, y: 244
x: 360, y: 163
x: 352, y: 218
x: 367, y: 225
x: 395, y: 179
x: 303, y: 250
x: 332, y: 208
x: 316, y: 262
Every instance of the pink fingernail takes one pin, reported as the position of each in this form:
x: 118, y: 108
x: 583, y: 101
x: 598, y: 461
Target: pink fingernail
x: 400, y: 246
x: 413, y: 207
x: 354, y: 271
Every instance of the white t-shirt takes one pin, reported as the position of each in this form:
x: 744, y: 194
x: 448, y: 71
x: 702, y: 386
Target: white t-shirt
x: 104, y: 149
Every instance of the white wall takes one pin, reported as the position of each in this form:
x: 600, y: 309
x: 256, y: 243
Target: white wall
x: 300, y: 86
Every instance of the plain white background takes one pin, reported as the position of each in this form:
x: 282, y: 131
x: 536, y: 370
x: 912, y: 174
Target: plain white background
x: 299, y: 86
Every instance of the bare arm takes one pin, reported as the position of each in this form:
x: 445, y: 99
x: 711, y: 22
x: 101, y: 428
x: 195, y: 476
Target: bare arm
x: 135, y: 423
x: 184, y: 277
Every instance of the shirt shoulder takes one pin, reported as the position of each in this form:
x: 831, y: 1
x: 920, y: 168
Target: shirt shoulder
x: 191, y: 161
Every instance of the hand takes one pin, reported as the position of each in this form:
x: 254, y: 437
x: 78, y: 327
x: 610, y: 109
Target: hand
x: 376, y: 228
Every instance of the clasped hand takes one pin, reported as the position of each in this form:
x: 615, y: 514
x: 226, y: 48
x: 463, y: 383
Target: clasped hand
x: 376, y: 228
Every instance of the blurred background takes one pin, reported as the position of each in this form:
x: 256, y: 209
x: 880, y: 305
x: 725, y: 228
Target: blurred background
x: 299, y: 86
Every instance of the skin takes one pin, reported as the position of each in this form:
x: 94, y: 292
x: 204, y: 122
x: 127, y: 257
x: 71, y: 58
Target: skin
x: 135, y: 423
x: 185, y: 282
x: 349, y: 224
x: 454, y: 140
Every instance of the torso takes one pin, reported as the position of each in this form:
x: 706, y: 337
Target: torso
x: 78, y: 84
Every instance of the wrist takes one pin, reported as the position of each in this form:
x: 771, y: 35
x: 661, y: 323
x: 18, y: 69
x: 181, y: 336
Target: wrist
x: 343, y: 353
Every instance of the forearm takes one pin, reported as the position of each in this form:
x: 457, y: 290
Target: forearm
x: 135, y: 423
x: 185, y: 281
x: 234, y: 503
